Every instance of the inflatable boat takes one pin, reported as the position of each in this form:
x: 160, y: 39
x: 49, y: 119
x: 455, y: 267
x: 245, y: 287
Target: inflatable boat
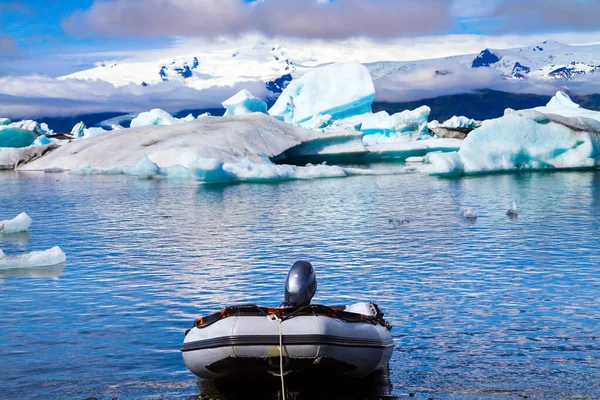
x: 297, y: 338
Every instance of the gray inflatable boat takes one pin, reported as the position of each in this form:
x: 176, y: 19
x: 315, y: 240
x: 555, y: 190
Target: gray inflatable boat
x: 245, y: 339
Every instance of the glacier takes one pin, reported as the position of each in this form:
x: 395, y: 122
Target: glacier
x: 339, y: 90
x: 243, y: 102
x: 561, y: 135
x: 45, y: 258
x: 20, y: 223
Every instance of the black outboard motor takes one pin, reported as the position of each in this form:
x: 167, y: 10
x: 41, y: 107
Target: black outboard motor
x: 300, y: 285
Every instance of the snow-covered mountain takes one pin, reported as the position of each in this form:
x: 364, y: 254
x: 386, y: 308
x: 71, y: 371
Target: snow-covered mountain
x: 276, y: 66
x: 545, y: 61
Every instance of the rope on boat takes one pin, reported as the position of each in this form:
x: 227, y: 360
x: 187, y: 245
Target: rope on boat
x: 274, y: 317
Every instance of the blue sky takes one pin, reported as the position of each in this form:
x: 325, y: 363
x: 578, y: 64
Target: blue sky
x: 62, y: 36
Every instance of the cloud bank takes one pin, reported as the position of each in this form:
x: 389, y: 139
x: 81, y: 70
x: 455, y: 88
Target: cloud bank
x: 451, y: 79
x: 41, y: 96
x: 297, y: 18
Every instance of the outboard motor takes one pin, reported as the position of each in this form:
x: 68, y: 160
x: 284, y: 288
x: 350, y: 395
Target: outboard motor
x: 300, y: 285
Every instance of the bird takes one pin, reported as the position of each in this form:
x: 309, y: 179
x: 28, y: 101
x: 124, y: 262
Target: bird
x: 513, y: 211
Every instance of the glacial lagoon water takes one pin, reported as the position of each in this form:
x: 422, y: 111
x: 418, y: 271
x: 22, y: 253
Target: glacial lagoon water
x: 485, y: 309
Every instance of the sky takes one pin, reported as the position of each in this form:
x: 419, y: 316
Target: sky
x: 58, y: 37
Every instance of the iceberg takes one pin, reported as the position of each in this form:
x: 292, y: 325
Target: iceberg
x: 154, y: 117
x: 20, y: 223
x: 243, y: 103
x: 454, y: 128
x: 16, y: 137
x: 460, y: 122
x: 4, y: 121
x: 10, y: 158
x: 402, y: 151
x: 224, y: 138
x: 79, y: 129
x: 45, y: 258
x: 339, y: 90
x: 561, y: 135
x: 405, y: 126
x: 42, y: 141
x: 91, y: 132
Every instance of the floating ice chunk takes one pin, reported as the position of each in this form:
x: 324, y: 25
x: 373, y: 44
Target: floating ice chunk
x: 91, y: 132
x: 414, y: 160
x: 42, y: 141
x: 340, y: 90
x: 404, y: 150
x: 468, y: 213
x: 143, y: 169
x: 243, y: 102
x: 154, y: 117
x: 49, y: 257
x: 16, y: 137
x: 460, y: 122
x: 4, y: 121
x: 405, y: 126
x: 10, y: 158
x: 567, y: 137
x: 20, y: 223
x: 562, y: 104
x: 79, y: 129
x: 513, y: 211
x: 188, y: 118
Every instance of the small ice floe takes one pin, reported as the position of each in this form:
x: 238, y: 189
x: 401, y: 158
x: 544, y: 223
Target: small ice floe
x: 398, y: 221
x: 20, y: 223
x: 44, y: 258
x: 468, y: 213
x: 513, y: 211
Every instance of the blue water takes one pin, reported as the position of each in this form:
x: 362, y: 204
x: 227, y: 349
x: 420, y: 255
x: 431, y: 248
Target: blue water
x: 495, y: 308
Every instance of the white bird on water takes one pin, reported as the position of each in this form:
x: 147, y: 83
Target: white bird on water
x: 513, y: 211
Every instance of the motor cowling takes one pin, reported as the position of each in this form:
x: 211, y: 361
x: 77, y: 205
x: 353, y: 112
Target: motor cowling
x: 300, y: 285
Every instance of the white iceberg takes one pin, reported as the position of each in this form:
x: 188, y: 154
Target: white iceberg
x: 339, y: 90
x: 460, y: 122
x: 91, y: 132
x: 243, y: 102
x: 5, y: 121
x: 224, y: 138
x: 405, y: 126
x: 79, y: 129
x: 20, y: 223
x: 45, y: 258
x: 11, y: 158
x: 154, y: 117
x: 559, y: 136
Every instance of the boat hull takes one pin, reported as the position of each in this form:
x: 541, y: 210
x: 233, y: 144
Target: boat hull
x: 247, y: 345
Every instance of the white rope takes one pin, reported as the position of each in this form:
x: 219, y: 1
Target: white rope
x: 274, y: 317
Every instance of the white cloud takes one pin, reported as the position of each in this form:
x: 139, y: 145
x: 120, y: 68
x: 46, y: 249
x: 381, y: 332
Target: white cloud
x: 36, y: 96
x: 295, y: 18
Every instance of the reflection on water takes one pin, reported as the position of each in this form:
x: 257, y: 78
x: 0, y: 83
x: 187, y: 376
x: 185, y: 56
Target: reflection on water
x: 53, y: 271
x: 19, y: 238
x: 498, y: 308
x: 300, y: 387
